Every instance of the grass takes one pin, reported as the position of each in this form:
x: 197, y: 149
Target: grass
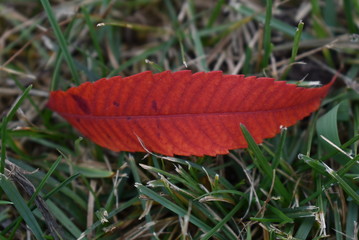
x: 302, y: 184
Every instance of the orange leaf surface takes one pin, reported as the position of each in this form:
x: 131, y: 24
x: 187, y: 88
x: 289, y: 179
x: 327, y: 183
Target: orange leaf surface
x: 183, y: 113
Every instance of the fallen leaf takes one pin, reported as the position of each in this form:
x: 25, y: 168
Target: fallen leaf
x: 183, y: 113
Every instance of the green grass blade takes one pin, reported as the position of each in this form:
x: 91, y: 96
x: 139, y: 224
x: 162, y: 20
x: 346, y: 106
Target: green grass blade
x: 327, y: 127
x: 196, y: 38
x: 56, y: 73
x: 61, y: 40
x: 44, y: 180
x: 174, y: 208
x: 94, y: 36
x: 61, y: 185
x: 337, y: 222
x: 141, y: 56
x: 315, y: 164
x: 263, y: 164
x: 260, y: 159
x: 121, y: 208
x: 275, y: 23
x: 324, y: 169
x: 222, y: 222
x: 348, y: 9
x: 211, y: 172
x: 215, y: 12
x: 279, y: 150
x: 267, y: 34
x: 4, y: 123
x: 295, y: 48
x: 66, y: 222
x: 330, y: 12
x: 346, y: 187
x: 351, y: 220
x: 13, y: 194
x: 136, y: 176
x: 305, y: 228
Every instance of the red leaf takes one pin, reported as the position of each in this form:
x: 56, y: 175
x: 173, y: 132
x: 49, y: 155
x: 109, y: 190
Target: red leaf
x: 183, y: 113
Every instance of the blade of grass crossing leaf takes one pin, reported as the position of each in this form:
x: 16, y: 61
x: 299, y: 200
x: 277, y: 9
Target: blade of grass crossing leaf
x: 13, y: 194
x: 174, y: 208
x: 61, y: 40
x: 267, y: 34
x: 4, y: 123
